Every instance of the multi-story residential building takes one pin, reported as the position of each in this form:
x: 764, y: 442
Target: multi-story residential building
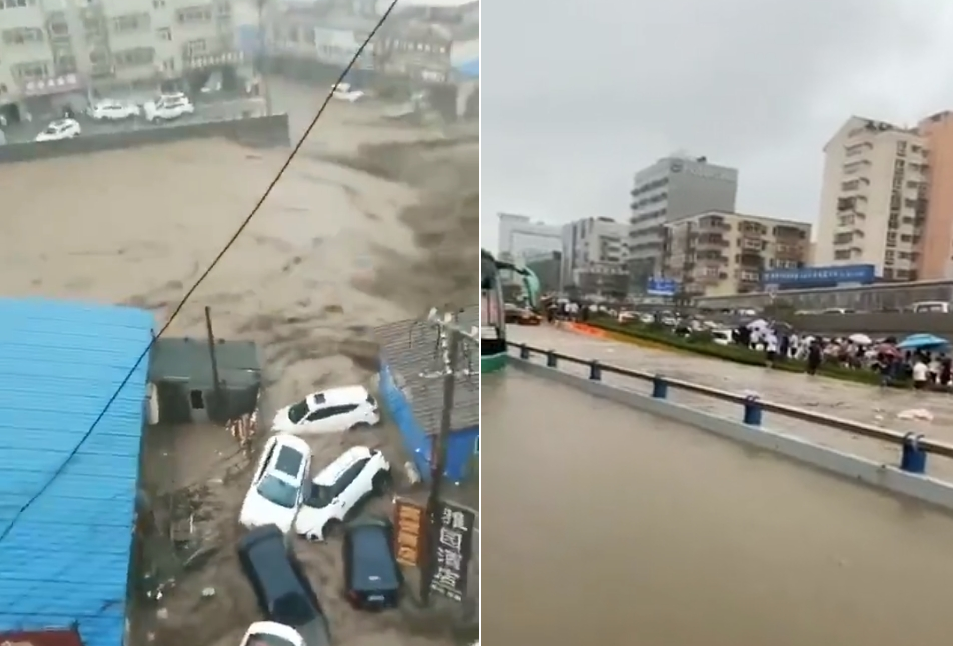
x: 874, y: 198
x: 672, y: 187
x: 594, y: 254
x: 54, y: 50
x: 520, y: 237
x: 718, y: 253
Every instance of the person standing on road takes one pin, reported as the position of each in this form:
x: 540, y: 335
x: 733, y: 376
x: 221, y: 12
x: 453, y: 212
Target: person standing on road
x: 813, y: 357
x: 771, y: 348
x: 921, y: 373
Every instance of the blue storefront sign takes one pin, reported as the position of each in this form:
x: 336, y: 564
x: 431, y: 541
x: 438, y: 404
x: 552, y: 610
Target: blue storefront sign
x: 820, y: 276
x: 661, y: 287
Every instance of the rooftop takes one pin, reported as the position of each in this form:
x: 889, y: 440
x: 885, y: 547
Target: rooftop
x: 67, y: 500
x: 189, y: 359
x: 412, y: 352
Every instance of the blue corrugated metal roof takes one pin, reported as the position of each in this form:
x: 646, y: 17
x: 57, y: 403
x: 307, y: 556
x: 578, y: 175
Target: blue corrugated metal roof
x: 66, y: 558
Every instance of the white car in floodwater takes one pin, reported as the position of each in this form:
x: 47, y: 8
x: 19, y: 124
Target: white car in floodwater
x: 330, y: 411
x: 168, y: 107
x: 270, y: 633
x: 60, y: 129
x: 279, y: 485
x: 356, y: 475
x: 344, y: 92
x: 113, y: 110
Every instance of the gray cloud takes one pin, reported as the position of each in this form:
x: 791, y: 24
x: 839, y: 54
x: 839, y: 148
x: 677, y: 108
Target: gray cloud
x: 576, y: 96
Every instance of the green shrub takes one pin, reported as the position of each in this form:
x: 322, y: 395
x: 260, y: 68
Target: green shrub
x: 701, y: 344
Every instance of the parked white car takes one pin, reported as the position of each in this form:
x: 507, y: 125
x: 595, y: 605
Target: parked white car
x: 60, y: 129
x: 329, y: 411
x: 168, y: 107
x: 112, y: 110
x: 270, y: 633
x: 344, y: 92
x: 278, y: 486
x: 358, y: 474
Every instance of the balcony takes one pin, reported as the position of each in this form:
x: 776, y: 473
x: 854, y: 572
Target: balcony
x: 713, y: 223
x: 217, y: 59
x: 752, y: 244
x: 711, y: 241
x: 751, y: 260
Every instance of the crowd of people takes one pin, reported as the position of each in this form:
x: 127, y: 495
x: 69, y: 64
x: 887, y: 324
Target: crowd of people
x: 925, y: 363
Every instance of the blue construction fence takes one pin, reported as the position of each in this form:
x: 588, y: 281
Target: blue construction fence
x: 462, y: 445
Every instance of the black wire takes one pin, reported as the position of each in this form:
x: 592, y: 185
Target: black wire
x: 205, y: 274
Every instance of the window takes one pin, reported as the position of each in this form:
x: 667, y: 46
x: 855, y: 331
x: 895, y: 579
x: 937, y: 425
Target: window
x: 278, y: 492
x: 65, y: 64
x: 289, y: 461
x: 134, y: 57
x: 297, y: 412
x: 195, y: 47
x: 164, y: 33
x: 22, y: 36
x: 197, y: 399
x: 330, y: 411
x: 131, y: 23
x: 901, y: 149
x: 852, y: 185
x: 58, y: 28
x: 194, y: 15
x: 31, y: 71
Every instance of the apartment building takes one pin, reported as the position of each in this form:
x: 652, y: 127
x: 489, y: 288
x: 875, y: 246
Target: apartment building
x: 671, y: 188
x: 719, y: 253
x: 874, y: 199
x: 55, y: 49
x: 594, y: 254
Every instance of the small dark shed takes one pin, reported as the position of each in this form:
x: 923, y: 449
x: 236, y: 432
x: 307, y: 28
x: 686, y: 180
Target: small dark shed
x: 181, y: 373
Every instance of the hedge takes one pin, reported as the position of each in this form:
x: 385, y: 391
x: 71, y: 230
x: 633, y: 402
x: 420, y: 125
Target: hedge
x: 701, y: 344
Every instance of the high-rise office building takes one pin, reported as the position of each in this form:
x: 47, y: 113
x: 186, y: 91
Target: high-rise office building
x: 594, y: 255
x: 673, y: 187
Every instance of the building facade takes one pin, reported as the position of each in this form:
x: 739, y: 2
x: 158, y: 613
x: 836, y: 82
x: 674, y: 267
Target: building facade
x: 718, y: 253
x: 56, y: 48
x: 671, y: 188
x: 520, y: 237
x: 548, y: 269
x: 594, y: 255
x: 874, y: 199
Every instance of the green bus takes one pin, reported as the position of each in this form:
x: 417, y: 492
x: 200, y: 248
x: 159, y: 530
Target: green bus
x: 493, y: 355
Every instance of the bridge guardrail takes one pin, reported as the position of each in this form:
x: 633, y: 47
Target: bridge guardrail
x: 914, y: 447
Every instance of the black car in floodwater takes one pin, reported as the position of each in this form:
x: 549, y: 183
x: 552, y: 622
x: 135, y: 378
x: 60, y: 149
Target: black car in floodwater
x: 371, y: 575
x: 281, y: 585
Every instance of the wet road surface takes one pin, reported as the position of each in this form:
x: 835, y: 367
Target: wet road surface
x: 857, y: 402
x: 609, y: 526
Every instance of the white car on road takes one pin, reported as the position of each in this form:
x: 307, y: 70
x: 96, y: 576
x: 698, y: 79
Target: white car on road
x: 60, y: 129
x: 358, y: 474
x: 270, y: 633
x: 112, y: 110
x: 344, y: 92
x: 278, y: 487
x: 329, y: 411
x: 168, y: 107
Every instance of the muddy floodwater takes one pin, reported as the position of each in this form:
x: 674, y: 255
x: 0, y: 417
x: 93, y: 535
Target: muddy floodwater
x: 604, y: 525
x: 360, y: 231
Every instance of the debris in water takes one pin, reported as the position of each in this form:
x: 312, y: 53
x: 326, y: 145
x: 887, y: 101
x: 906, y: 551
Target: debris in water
x: 208, y: 592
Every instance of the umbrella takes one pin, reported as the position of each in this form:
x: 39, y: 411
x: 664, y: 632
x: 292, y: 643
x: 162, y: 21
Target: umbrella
x: 757, y: 324
x: 860, y: 339
x: 922, y: 342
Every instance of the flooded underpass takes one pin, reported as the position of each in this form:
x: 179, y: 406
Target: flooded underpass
x: 611, y: 526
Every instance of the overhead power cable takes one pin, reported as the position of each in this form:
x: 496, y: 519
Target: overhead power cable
x: 188, y: 295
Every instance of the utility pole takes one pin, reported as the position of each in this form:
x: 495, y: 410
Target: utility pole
x: 451, y: 337
x: 260, y: 62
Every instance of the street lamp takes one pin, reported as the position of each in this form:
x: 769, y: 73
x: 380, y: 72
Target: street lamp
x: 260, y: 58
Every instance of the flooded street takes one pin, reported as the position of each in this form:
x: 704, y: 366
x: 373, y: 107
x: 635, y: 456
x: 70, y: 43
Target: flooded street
x: 857, y: 402
x: 609, y: 526
x: 371, y: 223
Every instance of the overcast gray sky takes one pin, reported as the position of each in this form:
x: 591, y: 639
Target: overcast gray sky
x: 579, y: 94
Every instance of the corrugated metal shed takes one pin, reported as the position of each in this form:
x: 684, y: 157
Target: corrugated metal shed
x: 66, y: 558
x: 410, y: 348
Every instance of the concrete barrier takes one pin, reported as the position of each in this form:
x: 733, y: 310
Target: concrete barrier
x: 257, y: 132
x: 876, y: 324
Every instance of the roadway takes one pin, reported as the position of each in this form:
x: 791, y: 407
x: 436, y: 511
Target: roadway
x: 609, y: 526
x: 851, y: 401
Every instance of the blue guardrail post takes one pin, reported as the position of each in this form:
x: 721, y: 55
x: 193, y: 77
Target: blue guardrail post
x: 550, y: 358
x: 753, y: 410
x: 913, y: 459
x: 595, y: 371
x: 659, y: 387
x: 524, y: 351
